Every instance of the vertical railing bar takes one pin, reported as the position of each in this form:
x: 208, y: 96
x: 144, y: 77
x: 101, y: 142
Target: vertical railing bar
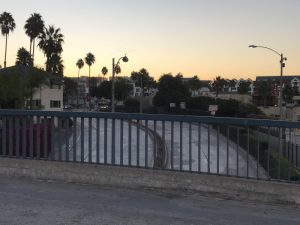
x: 4, y: 130
x: 138, y: 143
x: 146, y: 143
x: 31, y: 136
x: 227, y: 150
x: 52, y: 137
x: 105, y: 141
x: 38, y: 138
x: 10, y: 137
x: 248, y: 147
x: 258, y: 152
x: 190, y: 146
x: 269, y: 150
x: 60, y: 130
x: 279, y: 153
x: 129, y: 142
x: 164, y: 139
x: 24, y: 142
x: 237, y: 151
x: 74, y: 139
x: 296, y: 155
x: 155, y: 142
x: 289, y: 158
x: 218, y: 150
x: 67, y: 139
x: 121, y: 142
x: 181, y: 146
x: 82, y: 140
x: 45, y: 138
x: 208, y: 148
x: 97, y: 140
x: 199, y: 147
x: 172, y: 145
x: 17, y: 133
x: 113, y: 141
x: 90, y: 140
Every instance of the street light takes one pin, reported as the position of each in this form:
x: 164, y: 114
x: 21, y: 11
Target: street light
x: 124, y: 59
x: 282, y: 65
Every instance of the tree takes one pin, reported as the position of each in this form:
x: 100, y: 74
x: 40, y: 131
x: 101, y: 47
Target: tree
x: 7, y: 25
x: 34, y: 26
x: 55, y: 64
x: 142, y: 78
x: 90, y: 60
x: 244, y: 87
x: 218, y: 84
x: 51, y: 41
x: 264, y: 90
x: 171, y: 89
x: 23, y: 57
x: 288, y: 93
x: 118, y: 69
x: 104, y: 71
x: 70, y: 87
x: 79, y: 64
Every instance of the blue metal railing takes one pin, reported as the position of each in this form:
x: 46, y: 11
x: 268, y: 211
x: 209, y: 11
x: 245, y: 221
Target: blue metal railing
x: 223, y: 146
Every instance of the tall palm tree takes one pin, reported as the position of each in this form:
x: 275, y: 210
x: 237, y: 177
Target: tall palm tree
x: 7, y: 24
x: 79, y: 64
x: 51, y: 41
x: 90, y: 60
x: 33, y: 28
x: 23, y: 57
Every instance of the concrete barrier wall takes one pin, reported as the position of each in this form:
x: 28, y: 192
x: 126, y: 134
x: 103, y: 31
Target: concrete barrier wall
x: 219, y: 186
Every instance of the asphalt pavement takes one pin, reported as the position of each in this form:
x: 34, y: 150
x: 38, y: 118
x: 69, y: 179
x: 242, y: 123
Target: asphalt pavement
x: 28, y: 202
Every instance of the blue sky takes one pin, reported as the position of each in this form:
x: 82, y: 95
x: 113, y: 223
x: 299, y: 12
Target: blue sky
x: 202, y: 37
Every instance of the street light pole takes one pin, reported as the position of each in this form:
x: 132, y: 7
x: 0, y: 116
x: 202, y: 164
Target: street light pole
x: 114, y: 65
x: 282, y: 65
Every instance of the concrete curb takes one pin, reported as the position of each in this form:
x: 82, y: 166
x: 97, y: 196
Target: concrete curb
x: 227, y: 187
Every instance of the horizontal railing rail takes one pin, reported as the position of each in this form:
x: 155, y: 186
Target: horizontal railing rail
x: 237, y: 147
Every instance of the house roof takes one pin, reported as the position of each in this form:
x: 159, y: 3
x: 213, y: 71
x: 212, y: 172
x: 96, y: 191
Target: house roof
x: 276, y: 78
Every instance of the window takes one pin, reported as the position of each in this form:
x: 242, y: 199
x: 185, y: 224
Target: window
x: 54, y: 104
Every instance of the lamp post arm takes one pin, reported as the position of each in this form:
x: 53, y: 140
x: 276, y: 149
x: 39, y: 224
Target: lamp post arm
x: 259, y: 46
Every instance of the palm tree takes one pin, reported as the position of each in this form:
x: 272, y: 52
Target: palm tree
x: 33, y: 28
x: 79, y: 64
x: 7, y: 24
x: 90, y: 60
x: 104, y: 71
x: 218, y: 84
x: 118, y: 69
x: 51, y: 41
x: 55, y: 64
x: 23, y: 57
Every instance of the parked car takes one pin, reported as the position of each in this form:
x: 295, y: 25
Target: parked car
x: 44, y: 132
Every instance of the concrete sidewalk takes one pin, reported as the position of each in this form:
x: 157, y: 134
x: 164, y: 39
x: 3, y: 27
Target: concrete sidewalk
x: 28, y: 202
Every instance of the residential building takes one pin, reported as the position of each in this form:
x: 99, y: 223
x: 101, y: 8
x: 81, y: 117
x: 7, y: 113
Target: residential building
x: 47, y: 93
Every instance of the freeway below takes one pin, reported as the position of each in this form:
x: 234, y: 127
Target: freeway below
x: 203, y: 155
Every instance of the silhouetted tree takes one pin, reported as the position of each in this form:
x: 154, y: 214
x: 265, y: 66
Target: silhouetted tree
x: 104, y: 71
x: 34, y: 26
x: 244, y: 87
x: 142, y: 78
x: 90, y: 60
x: 23, y: 57
x: 7, y: 25
x: 218, y: 84
x: 51, y: 41
x: 264, y: 90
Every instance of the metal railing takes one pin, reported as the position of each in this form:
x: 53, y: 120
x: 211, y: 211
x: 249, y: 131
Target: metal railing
x: 223, y: 146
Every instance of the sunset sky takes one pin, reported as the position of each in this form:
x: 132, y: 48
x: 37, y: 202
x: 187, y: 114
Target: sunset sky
x: 194, y: 37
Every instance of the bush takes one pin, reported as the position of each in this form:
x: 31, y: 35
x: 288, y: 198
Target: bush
x: 262, y: 155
